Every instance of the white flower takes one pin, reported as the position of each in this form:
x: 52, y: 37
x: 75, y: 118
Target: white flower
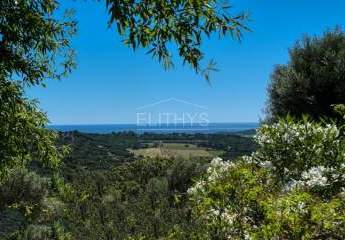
x: 225, y: 215
x: 247, y: 159
x: 198, y: 186
x: 266, y: 164
x: 302, y: 207
x: 315, y: 177
x: 216, y: 161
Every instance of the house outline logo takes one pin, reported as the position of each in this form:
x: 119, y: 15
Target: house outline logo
x: 147, y: 116
x: 171, y: 100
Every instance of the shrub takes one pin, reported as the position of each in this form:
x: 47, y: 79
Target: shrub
x: 292, y: 187
x: 292, y: 149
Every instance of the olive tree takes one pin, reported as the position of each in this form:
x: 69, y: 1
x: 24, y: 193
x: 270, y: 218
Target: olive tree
x: 312, y: 81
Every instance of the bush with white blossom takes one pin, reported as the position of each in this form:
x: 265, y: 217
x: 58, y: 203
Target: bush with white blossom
x: 294, y: 148
x: 292, y: 187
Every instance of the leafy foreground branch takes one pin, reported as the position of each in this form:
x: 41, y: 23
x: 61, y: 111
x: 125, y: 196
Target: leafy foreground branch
x: 34, y: 46
x: 158, y: 25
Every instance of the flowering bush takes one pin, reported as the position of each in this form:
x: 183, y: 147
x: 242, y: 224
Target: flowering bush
x: 293, y: 148
x: 225, y: 202
x: 292, y: 187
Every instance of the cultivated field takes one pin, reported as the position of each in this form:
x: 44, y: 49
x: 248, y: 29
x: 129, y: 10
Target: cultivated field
x: 175, y: 150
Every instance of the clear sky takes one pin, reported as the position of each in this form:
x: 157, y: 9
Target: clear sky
x: 112, y: 81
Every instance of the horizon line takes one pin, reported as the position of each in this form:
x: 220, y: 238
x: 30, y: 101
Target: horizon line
x: 154, y: 124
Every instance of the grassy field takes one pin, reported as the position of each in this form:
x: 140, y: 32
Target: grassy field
x: 176, y: 150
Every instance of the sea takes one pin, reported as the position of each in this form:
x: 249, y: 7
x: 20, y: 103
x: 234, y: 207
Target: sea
x: 164, y: 128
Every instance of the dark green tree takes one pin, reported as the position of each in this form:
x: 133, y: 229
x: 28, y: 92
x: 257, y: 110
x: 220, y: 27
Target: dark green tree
x: 34, y: 46
x: 312, y: 81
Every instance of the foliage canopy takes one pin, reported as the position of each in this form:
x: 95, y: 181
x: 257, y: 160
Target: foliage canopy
x: 34, y: 46
x: 159, y: 24
x: 312, y: 81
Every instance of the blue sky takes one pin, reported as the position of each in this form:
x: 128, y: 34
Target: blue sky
x: 112, y: 81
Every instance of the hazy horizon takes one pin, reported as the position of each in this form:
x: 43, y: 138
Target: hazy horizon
x: 163, y: 128
x: 97, y: 124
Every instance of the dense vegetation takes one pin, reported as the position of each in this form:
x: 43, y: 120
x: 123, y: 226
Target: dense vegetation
x: 117, y: 195
x: 291, y: 187
x: 103, y: 151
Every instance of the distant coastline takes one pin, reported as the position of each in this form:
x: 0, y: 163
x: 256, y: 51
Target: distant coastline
x: 172, y: 128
